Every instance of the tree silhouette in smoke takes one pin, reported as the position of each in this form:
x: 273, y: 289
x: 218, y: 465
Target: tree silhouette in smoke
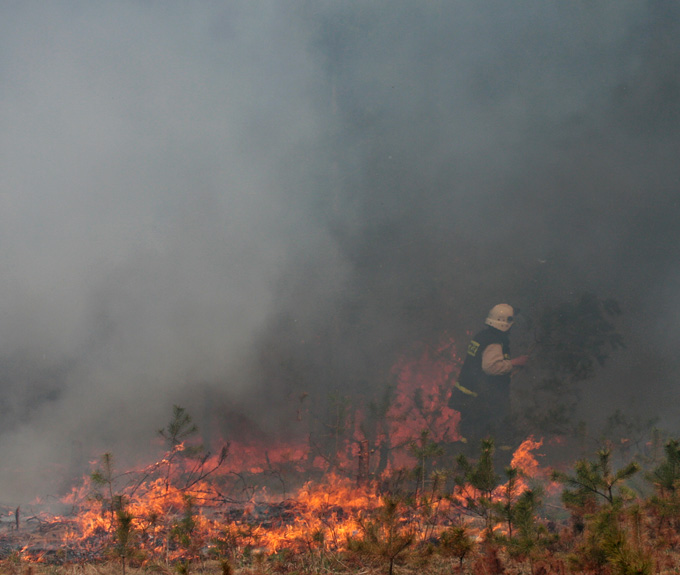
x: 571, y: 341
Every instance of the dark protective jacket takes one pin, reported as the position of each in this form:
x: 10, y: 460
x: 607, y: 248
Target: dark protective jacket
x: 471, y: 374
x: 483, y: 400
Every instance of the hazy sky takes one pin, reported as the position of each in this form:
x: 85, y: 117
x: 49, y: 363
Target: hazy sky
x: 258, y: 198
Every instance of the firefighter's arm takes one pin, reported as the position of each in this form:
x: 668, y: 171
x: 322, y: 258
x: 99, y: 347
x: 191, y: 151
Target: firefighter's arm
x: 493, y: 362
x: 519, y: 361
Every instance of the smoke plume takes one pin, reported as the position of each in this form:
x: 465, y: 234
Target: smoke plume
x: 227, y: 206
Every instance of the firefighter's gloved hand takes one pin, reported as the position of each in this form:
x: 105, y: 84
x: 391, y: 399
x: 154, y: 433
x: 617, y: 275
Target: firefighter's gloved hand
x: 519, y: 361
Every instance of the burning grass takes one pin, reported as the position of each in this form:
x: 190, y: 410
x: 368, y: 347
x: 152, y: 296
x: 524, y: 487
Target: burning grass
x: 181, y: 514
x: 384, y: 490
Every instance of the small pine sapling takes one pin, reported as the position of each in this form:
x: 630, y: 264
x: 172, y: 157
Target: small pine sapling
x: 104, y: 477
x: 530, y: 538
x: 475, y: 484
x: 456, y: 541
x: 424, y: 450
x: 125, y: 547
x: 384, y: 536
x: 598, y: 494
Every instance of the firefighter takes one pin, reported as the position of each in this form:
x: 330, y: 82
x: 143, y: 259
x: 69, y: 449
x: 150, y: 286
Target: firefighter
x: 482, y: 392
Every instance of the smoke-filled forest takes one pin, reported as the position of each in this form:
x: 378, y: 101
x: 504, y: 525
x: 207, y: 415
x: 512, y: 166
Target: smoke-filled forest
x: 287, y: 220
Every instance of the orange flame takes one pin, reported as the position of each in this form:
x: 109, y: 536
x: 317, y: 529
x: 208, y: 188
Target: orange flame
x: 176, y: 496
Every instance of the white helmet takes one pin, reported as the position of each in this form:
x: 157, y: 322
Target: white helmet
x: 501, y: 317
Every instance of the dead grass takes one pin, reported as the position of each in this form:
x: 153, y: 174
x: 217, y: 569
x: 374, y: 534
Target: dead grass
x: 481, y: 562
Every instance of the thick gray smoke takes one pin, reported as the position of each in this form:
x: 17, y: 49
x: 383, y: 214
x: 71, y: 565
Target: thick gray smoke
x: 225, y: 205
